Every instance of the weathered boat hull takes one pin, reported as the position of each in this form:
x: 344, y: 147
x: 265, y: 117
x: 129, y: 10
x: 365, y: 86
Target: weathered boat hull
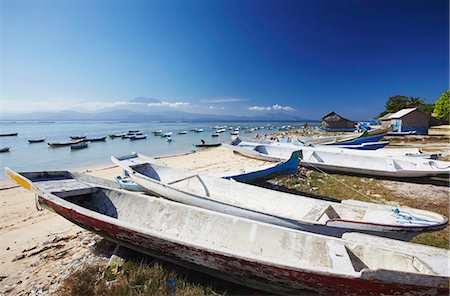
x: 250, y: 273
x: 5, y: 149
x: 257, y: 262
x: 255, y: 203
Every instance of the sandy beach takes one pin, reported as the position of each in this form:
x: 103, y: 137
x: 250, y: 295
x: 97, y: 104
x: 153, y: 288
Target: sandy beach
x: 39, y: 248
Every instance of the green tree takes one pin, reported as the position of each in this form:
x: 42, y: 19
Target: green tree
x: 427, y: 108
x: 398, y: 102
x: 441, y: 106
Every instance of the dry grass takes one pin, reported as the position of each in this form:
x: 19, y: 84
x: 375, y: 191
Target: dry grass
x: 135, y: 278
x: 342, y: 187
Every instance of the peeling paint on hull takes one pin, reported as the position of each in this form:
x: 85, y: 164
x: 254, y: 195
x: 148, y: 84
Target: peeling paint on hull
x: 272, y: 278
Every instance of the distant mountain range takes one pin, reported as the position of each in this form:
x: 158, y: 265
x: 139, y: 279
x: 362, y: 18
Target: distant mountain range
x: 140, y: 109
x: 127, y: 115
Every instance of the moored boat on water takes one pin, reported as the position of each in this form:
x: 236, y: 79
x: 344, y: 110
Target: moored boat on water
x: 40, y: 140
x: 237, y: 249
x: 138, y: 137
x: 9, y: 135
x: 63, y: 144
x: 182, y: 133
x: 157, y: 133
x: 113, y: 136
x: 293, y: 211
x: 78, y: 137
x: 96, y: 139
x: 80, y: 145
x: 5, y: 149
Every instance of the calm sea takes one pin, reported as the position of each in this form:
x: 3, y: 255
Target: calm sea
x: 39, y: 156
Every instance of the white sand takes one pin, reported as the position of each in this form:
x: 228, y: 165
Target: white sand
x: 25, y: 231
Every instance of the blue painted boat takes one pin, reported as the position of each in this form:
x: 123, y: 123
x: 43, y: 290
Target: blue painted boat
x: 361, y: 140
x: 128, y: 184
x: 281, y: 168
x: 365, y: 146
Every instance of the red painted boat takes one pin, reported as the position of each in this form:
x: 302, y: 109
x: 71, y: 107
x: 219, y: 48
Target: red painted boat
x: 255, y: 254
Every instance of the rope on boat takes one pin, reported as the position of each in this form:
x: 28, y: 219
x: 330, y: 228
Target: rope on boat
x: 402, y: 216
x: 433, y: 164
x: 407, y: 218
x: 36, y: 202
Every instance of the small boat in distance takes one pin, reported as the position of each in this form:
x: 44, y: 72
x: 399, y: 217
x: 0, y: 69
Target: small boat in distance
x: 247, y: 252
x: 234, y: 133
x: 198, y: 130
x: 204, y: 145
x: 99, y: 139
x: 133, y: 131
x: 168, y: 134
x: 36, y: 140
x: 138, y: 137
x: 9, y: 135
x: 62, y: 144
x: 169, y: 139
x: 4, y: 149
x: 77, y: 137
x: 113, y: 136
x: 215, y: 135
x: 182, y: 133
x: 80, y: 145
x: 157, y: 133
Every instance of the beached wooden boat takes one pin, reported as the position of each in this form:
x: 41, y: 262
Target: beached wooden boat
x: 36, y: 140
x: 5, y: 149
x: 246, y: 252
x: 348, y: 161
x: 78, y: 137
x: 9, y: 135
x: 96, y: 139
x: 79, y: 146
x: 283, y: 209
x: 246, y: 175
x: 63, y: 144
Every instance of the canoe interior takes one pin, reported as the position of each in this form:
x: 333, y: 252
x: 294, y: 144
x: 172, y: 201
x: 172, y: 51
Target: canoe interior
x: 239, y: 236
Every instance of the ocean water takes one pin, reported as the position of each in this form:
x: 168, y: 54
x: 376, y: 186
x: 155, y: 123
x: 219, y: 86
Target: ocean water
x: 24, y: 156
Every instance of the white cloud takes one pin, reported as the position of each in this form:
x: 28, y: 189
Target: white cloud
x: 216, y: 108
x: 224, y: 100
x: 275, y: 107
x: 168, y: 104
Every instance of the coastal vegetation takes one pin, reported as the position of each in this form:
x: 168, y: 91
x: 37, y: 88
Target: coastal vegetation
x: 441, y: 107
x: 398, y: 102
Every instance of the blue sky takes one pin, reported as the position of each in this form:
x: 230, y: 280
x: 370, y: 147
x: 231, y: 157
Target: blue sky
x: 227, y: 57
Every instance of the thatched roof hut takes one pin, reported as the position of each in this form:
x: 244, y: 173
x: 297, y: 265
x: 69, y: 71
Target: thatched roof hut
x: 334, y: 121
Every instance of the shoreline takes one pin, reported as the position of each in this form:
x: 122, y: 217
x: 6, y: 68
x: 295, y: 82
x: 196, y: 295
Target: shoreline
x: 40, y: 248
